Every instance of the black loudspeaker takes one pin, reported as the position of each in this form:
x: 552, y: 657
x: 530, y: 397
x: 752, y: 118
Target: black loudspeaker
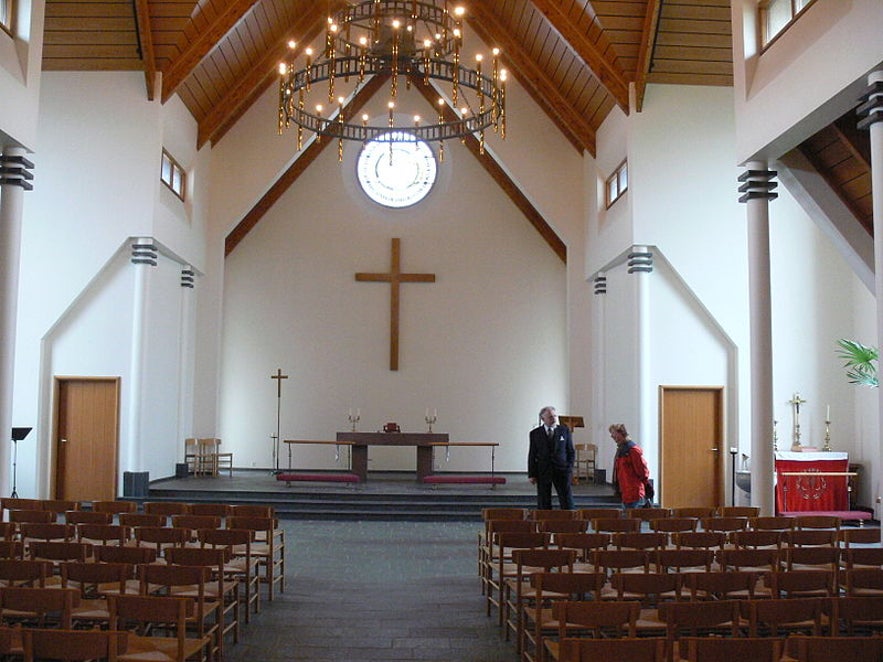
x: 136, y: 483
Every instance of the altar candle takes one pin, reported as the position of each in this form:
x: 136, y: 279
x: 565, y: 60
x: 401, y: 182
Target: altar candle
x: 828, y: 413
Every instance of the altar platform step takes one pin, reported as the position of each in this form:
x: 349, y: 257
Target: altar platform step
x: 389, y: 496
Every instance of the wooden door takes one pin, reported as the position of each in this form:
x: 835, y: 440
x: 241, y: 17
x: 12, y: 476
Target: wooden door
x: 691, y: 446
x: 86, y: 438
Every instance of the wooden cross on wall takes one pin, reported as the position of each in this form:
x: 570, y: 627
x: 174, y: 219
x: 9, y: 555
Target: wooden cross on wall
x: 395, y: 277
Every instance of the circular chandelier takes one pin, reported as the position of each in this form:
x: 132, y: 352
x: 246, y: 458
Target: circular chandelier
x: 416, y: 41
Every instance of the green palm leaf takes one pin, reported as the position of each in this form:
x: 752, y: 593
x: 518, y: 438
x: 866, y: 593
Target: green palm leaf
x: 860, y: 362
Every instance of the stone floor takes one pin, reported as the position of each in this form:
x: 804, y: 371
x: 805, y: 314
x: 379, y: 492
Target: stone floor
x: 376, y: 590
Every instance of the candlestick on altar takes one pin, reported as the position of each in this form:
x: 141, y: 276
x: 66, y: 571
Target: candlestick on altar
x: 354, y: 418
x: 431, y: 418
x: 827, y: 445
x: 795, y: 403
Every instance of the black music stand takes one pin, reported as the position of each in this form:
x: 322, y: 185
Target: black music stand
x: 17, y: 435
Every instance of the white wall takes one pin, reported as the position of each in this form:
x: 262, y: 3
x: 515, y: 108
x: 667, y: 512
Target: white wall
x: 485, y: 344
x: 818, y: 65
x: 77, y: 285
x: 20, y: 57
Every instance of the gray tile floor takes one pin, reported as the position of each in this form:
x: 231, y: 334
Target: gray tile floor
x: 376, y: 590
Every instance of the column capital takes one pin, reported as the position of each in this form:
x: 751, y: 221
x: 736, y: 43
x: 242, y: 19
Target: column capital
x: 758, y: 185
x: 600, y: 284
x: 188, y: 277
x: 871, y: 110
x: 15, y: 170
x: 640, y: 260
x: 144, y: 252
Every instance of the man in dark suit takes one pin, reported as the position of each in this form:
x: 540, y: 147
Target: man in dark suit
x: 550, y: 460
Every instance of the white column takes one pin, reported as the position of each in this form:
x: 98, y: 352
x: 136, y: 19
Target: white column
x: 144, y: 257
x: 640, y: 265
x: 758, y: 191
x: 872, y: 111
x: 14, y: 176
x: 185, y: 361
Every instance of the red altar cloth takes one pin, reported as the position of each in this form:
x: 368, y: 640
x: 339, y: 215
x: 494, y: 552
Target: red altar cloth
x: 806, y: 492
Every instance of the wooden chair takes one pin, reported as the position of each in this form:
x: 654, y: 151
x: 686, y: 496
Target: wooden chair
x: 649, y: 588
x: 32, y: 532
x: 864, y: 582
x: 694, y: 512
x: 488, y: 553
x: 722, y: 649
x: 15, y: 503
x: 584, y: 462
x: 756, y: 539
x: 38, y: 606
x: 858, y: 537
x: 72, y: 645
x: 720, y: 617
x: 811, y: 558
x: 648, y: 514
x: 241, y: 565
x: 724, y: 524
x: 759, y: 560
x: 613, y: 561
x: 738, y: 511
x: 502, y: 566
x: 673, y: 524
x: 95, y: 581
x: 767, y: 617
x: 141, y: 519
x: 195, y: 522
x: 124, y: 554
x: 549, y: 587
x: 809, y: 538
x: 641, y: 540
x: 539, y: 515
x: 17, y: 572
x: 31, y: 516
x: 851, y: 615
x: 562, y: 526
x: 519, y: 593
x: 684, y: 560
x: 803, y: 583
x: 818, y: 522
x: 268, y: 548
x: 591, y: 514
x: 189, y: 582
x: 114, y: 507
x: 699, y: 539
x: 858, y: 557
x: 777, y: 523
x: 616, y: 525
x: 59, y: 506
x: 594, y: 619
x: 136, y: 615
x: 161, y: 538
x: 834, y: 649
x: 87, y: 517
x: 191, y: 455
x: 57, y: 553
x: 222, y: 510
x: 166, y: 508
x: 221, y: 587
x: 728, y: 585
x: 104, y: 534
x: 591, y: 650
x: 585, y: 545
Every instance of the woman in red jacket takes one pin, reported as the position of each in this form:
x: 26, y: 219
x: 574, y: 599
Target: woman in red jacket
x: 630, y: 471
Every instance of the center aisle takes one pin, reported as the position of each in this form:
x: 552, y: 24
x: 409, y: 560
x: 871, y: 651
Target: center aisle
x: 376, y: 590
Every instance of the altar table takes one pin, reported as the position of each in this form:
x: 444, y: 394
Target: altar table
x: 424, y: 441
x: 812, y: 481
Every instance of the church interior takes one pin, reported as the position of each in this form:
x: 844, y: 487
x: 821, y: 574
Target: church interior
x: 233, y: 222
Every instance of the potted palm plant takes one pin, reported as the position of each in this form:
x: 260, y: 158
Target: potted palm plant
x: 860, y: 362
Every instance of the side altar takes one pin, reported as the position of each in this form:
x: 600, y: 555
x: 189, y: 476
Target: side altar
x: 424, y: 441
x: 810, y: 481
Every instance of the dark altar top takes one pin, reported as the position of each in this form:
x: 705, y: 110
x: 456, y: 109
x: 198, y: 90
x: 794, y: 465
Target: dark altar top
x: 424, y: 441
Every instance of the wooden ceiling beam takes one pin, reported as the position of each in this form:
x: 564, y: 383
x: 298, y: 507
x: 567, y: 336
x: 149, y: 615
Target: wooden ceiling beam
x: 498, y: 174
x: 645, y: 54
x: 546, y: 95
x: 202, y: 45
x: 253, y: 84
x: 605, y: 70
x: 145, y: 39
x: 296, y: 169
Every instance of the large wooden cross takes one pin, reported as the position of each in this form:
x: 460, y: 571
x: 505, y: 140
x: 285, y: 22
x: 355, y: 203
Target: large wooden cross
x: 395, y: 277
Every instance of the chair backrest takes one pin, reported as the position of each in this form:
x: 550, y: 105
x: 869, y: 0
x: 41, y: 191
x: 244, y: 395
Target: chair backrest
x: 591, y: 514
x: 59, y: 506
x: 550, y: 514
x: 46, y: 606
x: 161, y: 537
x: 738, y: 511
x: 810, y: 537
x: 216, y: 509
x: 87, y: 517
x: 142, y: 519
x: 864, y: 581
x: 17, y: 572
x: 725, y: 585
x: 811, y: 556
x: 768, y: 615
x: 861, y: 536
x: 114, y: 507
x: 818, y: 522
x: 754, y: 539
x: 695, y: 512
x: 73, y: 645
x: 167, y: 508
x: 8, y: 530
x: 725, y: 524
x: 640, y: 540
x: 28, y: 516
x: 15, y: 503
x: 834, y: 649
x: 602, y: 618
x: 685, y: 560
x: 562, y: 525
x: 777, y: 523
x: 650, y: 588
x: 11, y: 549
x: 584, y: 543
x: 724, y: 649
x: 104, y: 534
x: 803, y: 583
x: 214, y: 557
x: 94, y: 579
x: 851, y: 611
x: 648, y: 514
x: 619, y: 525
x: 60, y: 551
x: 742, y: 558
x: 47, y: 531
x: 573, y: 585
x: 124, y: 554
x: 871, y: 557
x: 196, y: 522
x: 699, y: 539
x: 674, y: 524
x: 617, y: 560
x: 253, y: 510
x: 631, y: 649
x: 693, y: 617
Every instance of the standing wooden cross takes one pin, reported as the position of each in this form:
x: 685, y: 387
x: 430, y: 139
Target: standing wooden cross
x: 279, y: 377
x: 395, y: 277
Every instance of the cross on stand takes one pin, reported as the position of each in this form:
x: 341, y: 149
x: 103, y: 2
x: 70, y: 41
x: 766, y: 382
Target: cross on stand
x: 395, y: 277
x: 279, y: 377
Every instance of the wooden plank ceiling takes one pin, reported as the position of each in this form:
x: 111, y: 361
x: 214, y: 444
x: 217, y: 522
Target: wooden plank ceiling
x: 576, y: 58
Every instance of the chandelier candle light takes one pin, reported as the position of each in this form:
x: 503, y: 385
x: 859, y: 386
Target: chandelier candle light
x: 419, y: 41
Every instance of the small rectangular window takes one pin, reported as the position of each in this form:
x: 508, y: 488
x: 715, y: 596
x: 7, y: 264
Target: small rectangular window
x: 172, y: 174
x: 6, y: 7
x: 617, y: 183
x: 777, y: 15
